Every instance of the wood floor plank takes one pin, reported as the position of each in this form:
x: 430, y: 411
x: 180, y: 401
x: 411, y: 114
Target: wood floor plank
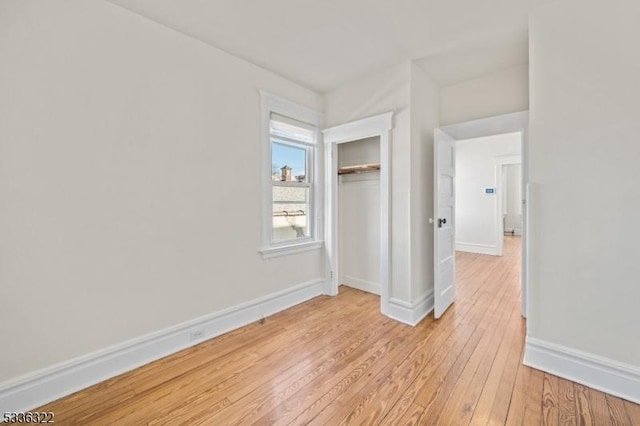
x: 617, y: 411
x: 505, y: 392
x: 264, y: 395
x: 410, y: 417
x: 599, y: 407
x: 315, y: 367
x: 518, y: 401
x: 457, y: 340
x: 324, y: 391
x: 337, y: 360
x: 550, y: 401
x: 567, y: 403
x: 633, y: 411
x: 226, y: 381
x: 435, y: 394
x: 584, y: 414
x: 465, y: 393
x: 534, y: 402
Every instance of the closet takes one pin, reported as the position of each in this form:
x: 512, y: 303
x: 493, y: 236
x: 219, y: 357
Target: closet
x: 359, y: 214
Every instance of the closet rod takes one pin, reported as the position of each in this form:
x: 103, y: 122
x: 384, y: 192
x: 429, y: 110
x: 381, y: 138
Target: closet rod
x: 360, y: 168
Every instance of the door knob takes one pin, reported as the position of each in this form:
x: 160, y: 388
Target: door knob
x: 441, y: 222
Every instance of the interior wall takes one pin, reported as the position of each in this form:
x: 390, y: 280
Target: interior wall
x: 424, y: 119
x: 476, y: 211
x: 413, y: 97
x: 384, y: 91
x: 359, y: 216
x: 363, y: 151
x: 130, y: 179
x: 494, y: 94
x: 585, y: 193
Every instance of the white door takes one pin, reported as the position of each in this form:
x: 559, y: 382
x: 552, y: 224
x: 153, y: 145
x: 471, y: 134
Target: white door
x: 444, y: 222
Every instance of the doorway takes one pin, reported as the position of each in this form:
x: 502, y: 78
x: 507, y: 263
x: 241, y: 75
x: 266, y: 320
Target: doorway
x: 376, y: 129
x: 359, y: 214
x: 484, y: 189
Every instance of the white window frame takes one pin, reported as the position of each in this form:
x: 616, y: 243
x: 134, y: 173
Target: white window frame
x: 274, y: 104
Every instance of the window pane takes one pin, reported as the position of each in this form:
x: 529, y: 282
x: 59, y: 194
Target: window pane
x: 290, y: 213
x: 290, y: 194
x: 288, y: 162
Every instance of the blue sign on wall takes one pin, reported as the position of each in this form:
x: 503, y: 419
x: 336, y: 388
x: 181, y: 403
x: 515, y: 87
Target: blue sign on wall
x: 489, y: 190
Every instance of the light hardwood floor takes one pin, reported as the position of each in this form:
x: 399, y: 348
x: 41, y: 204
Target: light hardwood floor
x: 339, y: 361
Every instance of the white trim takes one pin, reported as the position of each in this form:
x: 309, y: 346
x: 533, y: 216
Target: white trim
x: 477, y: 248
x: 270, y: 103
x: 594, y: 371
x: 506, y: 123
x: 379, y: 125
x: 357, y: 283
x: 359, y: 129
x: 411, y: 313
x: 36, y: 389
x: 268, y: 253
x: 289, y: 109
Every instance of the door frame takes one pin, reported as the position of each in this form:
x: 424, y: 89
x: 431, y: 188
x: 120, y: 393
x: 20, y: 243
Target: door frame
x: 500, y: 163
x: 500, y: 124
x: 376, y: 126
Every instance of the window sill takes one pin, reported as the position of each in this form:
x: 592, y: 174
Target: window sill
x: 269, y: 253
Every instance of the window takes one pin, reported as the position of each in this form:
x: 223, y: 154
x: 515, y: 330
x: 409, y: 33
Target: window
x: 291, y: 165
x: 290, y: 198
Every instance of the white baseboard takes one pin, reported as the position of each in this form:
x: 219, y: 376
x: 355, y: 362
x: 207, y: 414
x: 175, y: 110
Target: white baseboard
x: 411, y: 313
x: 368, y: 286
x: 33, y: 390
x: 596, y: 372
x: 477, y: 248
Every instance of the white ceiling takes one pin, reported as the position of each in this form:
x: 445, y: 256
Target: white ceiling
x: 322, y: 44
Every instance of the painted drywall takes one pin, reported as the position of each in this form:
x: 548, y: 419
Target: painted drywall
x: 413, y: 97
x: 476, y: 211
x: 424, y: 119
x: 387, y: 90
x: 512, y: 198
x: 585, y: 193
x: 359, y: 217
x: 130, y: 180
x: 363, y: 151
x: 494, y: 94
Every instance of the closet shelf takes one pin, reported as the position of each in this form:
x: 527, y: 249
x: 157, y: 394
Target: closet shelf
x: 360, y: 168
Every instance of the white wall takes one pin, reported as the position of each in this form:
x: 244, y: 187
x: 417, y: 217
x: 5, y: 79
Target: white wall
x: 476, y: 211
x: 129, y: 178
x: 359, y: 216
x: 424, y: 119
x: 363, y: 151
x: 494, y: 94
x: 387, y: 90
x: 584, y: 157
x: 359, y: 231
x: 413, y: 97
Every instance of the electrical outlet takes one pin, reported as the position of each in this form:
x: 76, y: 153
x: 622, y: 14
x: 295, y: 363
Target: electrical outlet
x: 196, y: 334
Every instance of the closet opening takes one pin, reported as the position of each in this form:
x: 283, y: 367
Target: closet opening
x: 359, y: 214
x: 357, y: 157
